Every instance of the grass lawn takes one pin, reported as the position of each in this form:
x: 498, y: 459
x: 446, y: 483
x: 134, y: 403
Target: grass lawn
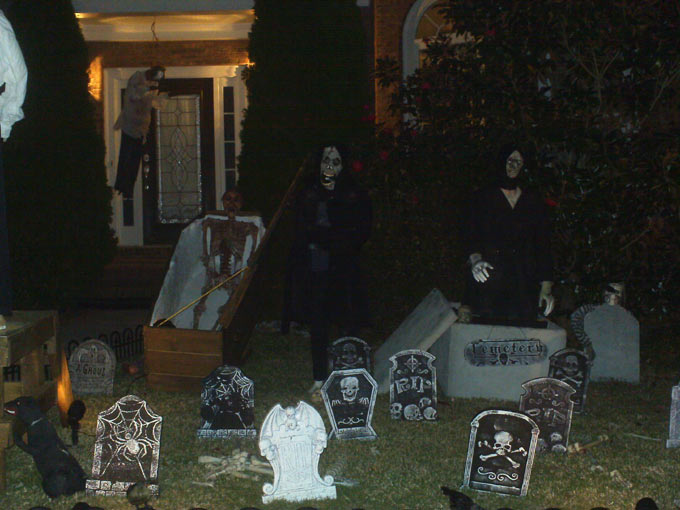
x: 405, y: 467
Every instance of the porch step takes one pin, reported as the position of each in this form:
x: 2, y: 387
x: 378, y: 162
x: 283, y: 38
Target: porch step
x: 132, y: 279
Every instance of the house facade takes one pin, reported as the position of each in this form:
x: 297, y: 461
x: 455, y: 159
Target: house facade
x: 194, y: 142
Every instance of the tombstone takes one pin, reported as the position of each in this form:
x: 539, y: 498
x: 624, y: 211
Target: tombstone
x: 615, y: 338
x: 227, y: 405
x: 349, y: 397
x: 548, y: 402
x: 91, y: 367
x: 572, y: 367
x: 430, y: 320
x: 292, y: 440
x: 674, y: 427
x: 501, y: 452
x: 126, y: 448
x: 413, y: 386
x: 349, y: 352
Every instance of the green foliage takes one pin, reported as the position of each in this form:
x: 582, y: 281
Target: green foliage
x: 592, y: 88
x: 58, y: 201
x: 308, y: 84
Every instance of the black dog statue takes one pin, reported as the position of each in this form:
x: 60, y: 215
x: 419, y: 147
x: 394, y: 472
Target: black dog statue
x: 60, y: 471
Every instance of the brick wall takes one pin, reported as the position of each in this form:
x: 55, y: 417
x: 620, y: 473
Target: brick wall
x: 388, y: 22
x: 168, y: 54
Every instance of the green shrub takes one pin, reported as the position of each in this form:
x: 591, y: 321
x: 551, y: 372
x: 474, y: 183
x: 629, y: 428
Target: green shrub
x: 58, y: 201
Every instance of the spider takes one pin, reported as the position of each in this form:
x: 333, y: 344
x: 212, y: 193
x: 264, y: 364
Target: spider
x: 130, y: 443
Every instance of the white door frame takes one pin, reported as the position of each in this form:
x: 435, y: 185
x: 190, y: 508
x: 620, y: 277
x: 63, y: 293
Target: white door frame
x: 115, y: 79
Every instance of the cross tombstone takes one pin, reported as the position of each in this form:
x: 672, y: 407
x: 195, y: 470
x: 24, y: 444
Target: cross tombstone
x: 126, y: 448
x: 92, y: 367
x: 227, y: 405
x: 292, y: 440
x: 548, y: 402
x: 501, y: 452
x: 349, y: 352
x: 572, y: 367
x: 413, y: 386
x: 674, y: 427
x: 349, y: 397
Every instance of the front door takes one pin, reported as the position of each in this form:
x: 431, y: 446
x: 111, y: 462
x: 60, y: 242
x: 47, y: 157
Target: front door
x: 178, y: 167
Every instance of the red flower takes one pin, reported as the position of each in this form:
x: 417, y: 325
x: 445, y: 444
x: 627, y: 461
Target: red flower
x: 383, y: 155
x: 357, y: 166
x: 550, y: 202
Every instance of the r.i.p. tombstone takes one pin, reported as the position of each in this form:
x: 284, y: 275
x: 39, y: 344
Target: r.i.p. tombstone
x: 349, y: 397
x: 92, y: 367
x: 674, y: 427
x: 501, y: 452
x: 572, y: 367
x: 349, y: 352
x: 548, y: 402
x: 292, y: 440
x: 227, y: 404
x: 126, y: 449
x: 413, y: 386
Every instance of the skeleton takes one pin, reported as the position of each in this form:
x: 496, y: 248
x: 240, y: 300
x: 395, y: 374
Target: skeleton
x: 331, y: 166
x: 234, y: 465
x: 349, y: 387
x: 502, y: 448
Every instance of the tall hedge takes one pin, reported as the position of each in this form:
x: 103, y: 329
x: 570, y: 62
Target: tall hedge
x: 58, y: 200
x: 308, y: 83
x: 594, y: 89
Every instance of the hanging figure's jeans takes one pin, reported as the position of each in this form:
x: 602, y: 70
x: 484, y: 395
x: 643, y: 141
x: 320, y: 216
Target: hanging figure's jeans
x: 129, y: 157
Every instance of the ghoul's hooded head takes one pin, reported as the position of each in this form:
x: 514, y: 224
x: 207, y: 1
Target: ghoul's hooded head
x: 508, y: 166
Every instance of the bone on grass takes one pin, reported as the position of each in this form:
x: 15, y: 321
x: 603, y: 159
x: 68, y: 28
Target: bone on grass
x: 581, y: 448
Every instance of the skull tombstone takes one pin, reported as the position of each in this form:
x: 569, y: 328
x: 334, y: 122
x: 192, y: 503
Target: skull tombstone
x: 349, y: 352
x: 349, y: 398
x: 413, y: 384
x: 548, y: 402
x: 349, y: 387
x: 572, y: 367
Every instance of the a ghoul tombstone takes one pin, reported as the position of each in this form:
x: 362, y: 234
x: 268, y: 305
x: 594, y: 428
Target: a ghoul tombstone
x: 91, y: 367
x: 413, y: 386
x: 349, y: 352
x: 548, y: 402
x: 292, y: 440
x: 349, y: 397
x: 126, y: 448
x: 501, y: 452
x: 227, y: 404
x: 572, y: 367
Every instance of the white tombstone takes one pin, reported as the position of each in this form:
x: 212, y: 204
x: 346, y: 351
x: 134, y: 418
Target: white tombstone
x: 487, y: 361
x: 615, y: 337
x: 422, y: 328
x: 92, y: 367
x: 674, y: 427
x: 292, y: 440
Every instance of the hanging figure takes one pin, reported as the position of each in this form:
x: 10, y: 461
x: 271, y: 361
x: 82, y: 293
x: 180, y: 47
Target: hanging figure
x: 141, y: 95
x: 323, y: 284
x: 13, y: 75
x: 507, y: 237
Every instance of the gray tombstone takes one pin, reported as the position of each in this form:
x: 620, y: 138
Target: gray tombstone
x: 227, y: 404
x: 572, y: 367
x: 674, y: 427
x: 615, y: 337
x: 413, y: 386
x: 126, y: 448
x: 292, y: 440
x: 501, y: 452
x: 92, y: 366
x: 349, y: 397
x: 548, y: 402
x: 349, y: 352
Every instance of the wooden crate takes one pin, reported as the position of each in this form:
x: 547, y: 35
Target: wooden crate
x: 178, y: 359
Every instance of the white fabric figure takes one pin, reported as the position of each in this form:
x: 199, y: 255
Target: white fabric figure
x: 13, y: 74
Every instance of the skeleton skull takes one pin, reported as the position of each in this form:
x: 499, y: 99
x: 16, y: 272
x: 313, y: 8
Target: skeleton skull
x: 412, y: 413
x: 349, y: 387
x: 570, y: 365
x: 514, y: 164
x: 424, y: 402
x: 614, y: 294
x: 331, y: 166
x: 349, y: 354
x: 430, y: 413
x: 503, y: 442
x: 395, y: 410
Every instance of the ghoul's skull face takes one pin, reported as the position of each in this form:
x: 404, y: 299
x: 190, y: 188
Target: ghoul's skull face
x: 514, y: 164
x: 349, y: 387
x: 331, y: 166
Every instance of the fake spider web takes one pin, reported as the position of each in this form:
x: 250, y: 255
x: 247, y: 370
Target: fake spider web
x: 128, y: 435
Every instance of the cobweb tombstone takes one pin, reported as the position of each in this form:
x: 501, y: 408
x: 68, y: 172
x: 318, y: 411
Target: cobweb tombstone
x: 348, y: 353
x: 548, y: 402
x: 572, y: 367
x: 413, y: 386
x: 126, y: 449
x: 227, y: 405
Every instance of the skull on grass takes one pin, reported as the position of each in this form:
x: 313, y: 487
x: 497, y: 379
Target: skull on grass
x: 349, y: 387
